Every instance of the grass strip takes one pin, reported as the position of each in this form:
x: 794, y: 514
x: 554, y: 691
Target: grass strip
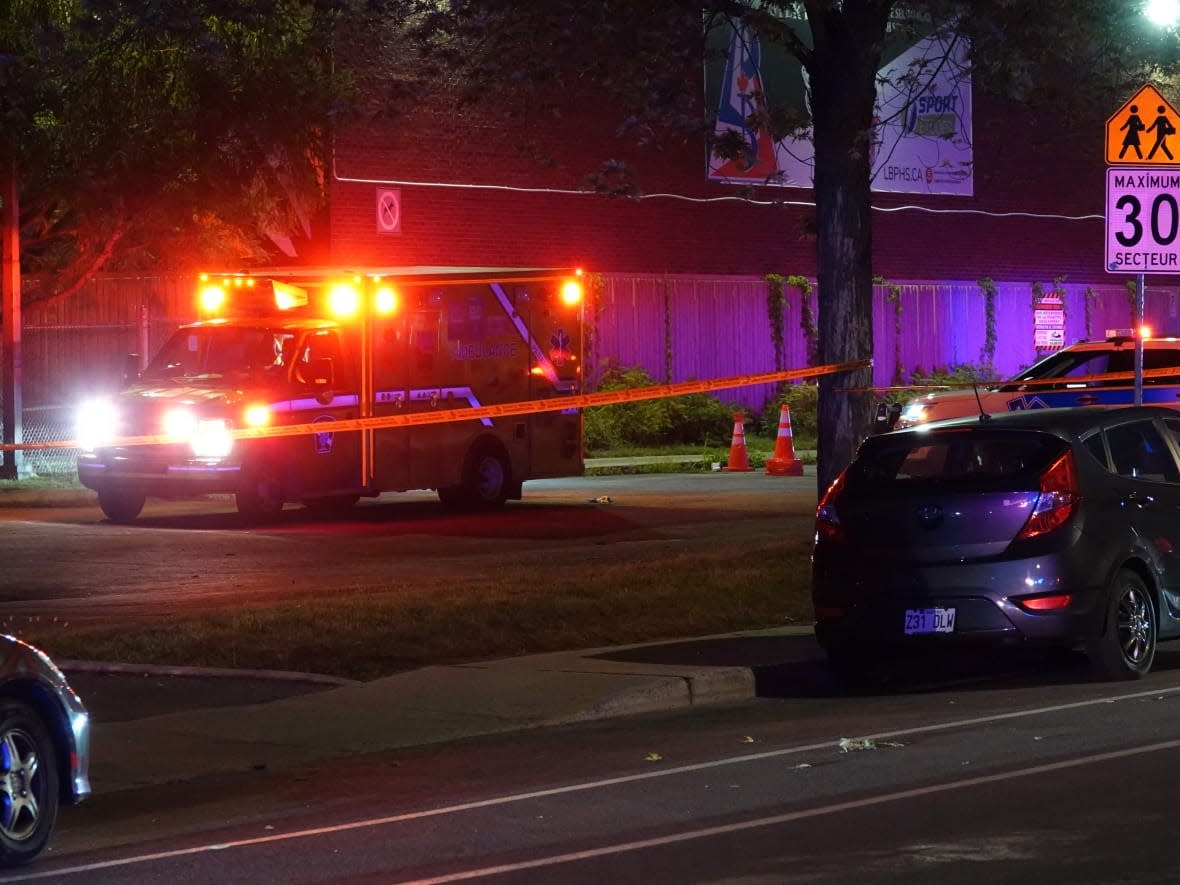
x: 369, y: 633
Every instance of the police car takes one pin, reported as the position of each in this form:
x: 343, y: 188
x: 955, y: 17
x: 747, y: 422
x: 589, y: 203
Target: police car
x: 1065, y: 378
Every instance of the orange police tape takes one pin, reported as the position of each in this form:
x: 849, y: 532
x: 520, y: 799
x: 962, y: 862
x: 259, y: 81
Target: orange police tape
x: 500, y: 410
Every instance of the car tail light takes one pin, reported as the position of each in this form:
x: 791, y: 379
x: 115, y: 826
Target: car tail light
x: 1045, y: 603
x: 1057, y: 500
x: 827, y: 520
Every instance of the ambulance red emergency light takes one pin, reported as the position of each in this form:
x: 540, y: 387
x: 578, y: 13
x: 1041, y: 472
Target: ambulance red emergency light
x: 345, y: 351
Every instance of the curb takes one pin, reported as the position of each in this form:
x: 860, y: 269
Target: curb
x: 101, y: 667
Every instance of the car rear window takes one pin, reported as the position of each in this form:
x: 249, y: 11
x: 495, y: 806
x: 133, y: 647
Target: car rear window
x: 961, y: 457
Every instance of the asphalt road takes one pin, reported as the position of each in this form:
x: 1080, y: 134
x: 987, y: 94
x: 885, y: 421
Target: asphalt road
x: 986, y: 772
x: 996, y: 775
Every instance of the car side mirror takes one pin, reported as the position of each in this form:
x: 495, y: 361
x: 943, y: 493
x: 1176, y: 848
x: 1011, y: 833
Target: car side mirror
x: 130, y: 369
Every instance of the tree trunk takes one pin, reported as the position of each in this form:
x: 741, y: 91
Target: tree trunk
x: 843, y: 73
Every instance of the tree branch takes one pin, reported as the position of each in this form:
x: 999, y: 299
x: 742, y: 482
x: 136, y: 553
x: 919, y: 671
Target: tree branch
x: 93, y: 267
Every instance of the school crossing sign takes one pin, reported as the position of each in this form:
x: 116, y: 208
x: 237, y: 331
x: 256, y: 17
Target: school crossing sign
x: 1142, y: 186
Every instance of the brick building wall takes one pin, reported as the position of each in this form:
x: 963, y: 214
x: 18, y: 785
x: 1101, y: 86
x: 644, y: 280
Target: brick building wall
x: 463, y: 163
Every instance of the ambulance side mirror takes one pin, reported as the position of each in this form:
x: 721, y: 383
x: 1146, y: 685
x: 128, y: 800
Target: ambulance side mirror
x: 130, y: 369
x: 318, y: 373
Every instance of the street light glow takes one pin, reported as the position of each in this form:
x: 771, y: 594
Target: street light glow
x: 1164, y: 13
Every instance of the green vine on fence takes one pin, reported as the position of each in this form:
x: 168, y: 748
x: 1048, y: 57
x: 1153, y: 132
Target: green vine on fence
x: 1132, y: 300
x: 776, y: 306
x: 987, y: 353
x: 893, y: 297
x: 806, y: 315
x: 1088, y: 299
x: 669, y: 355
x: 595, y: 289
x: 1059, y: 290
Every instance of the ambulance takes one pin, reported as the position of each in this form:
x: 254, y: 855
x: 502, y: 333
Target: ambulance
x: 319, y: 387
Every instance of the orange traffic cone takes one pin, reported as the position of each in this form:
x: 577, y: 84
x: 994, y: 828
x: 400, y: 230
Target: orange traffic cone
x: 784, y: 462
x: 739, y: 458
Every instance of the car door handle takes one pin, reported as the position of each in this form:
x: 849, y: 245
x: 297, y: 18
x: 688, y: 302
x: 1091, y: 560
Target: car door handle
x: 1087, y: 399
x: 1140, y: 502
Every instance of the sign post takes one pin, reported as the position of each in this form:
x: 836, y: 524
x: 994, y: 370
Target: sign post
x: 1142, y: 212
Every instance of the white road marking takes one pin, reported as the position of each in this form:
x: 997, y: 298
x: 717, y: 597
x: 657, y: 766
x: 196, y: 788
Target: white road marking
x: 804, y: 814
x: 661, y: 773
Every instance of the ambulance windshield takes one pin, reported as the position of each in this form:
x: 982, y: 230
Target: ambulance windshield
x: 218, y: 353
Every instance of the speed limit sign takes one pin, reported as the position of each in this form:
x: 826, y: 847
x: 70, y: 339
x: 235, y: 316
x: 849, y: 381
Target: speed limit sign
x: 1142, y: 220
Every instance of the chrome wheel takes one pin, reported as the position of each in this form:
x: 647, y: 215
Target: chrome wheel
x: 1126, y: 647
x: 1135, y: 623
x: 28, y: 784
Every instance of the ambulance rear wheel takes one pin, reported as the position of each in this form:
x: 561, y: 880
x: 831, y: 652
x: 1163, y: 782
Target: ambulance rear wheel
x: 487, y: 479
x: 121, y: 505
x: 260, y: 497
x: 452, y: 496
x: 331, y: 505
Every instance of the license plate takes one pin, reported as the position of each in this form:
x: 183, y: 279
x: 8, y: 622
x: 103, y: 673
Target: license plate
x: 929, y: 620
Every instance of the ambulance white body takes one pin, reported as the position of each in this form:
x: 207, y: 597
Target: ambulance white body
x: 345, y: 351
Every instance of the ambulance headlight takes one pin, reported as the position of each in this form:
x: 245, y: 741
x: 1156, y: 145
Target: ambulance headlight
x: 179, y: 424
x: 96, y: 424
x: 212, y: 439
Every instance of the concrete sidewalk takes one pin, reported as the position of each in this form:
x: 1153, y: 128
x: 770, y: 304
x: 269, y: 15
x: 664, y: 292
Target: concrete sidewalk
x: 425, y: 706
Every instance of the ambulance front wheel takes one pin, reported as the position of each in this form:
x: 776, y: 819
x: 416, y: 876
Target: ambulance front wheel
x: 260, y: 496
x: 121, y: 505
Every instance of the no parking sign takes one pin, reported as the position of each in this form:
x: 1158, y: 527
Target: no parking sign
x: 389, y: 210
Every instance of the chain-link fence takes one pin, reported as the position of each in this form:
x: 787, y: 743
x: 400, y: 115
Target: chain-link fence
x: 49, y: 424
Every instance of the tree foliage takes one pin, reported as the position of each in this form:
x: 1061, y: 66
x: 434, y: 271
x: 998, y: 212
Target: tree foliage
x: 161, y: 135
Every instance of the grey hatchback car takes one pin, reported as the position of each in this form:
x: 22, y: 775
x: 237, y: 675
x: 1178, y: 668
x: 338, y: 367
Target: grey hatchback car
x: 1057, y: 527
x: 44, y: 749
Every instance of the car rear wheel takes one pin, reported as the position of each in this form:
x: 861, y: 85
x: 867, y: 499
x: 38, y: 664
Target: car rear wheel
x: 856, y: 670
x: 121, y: 505
x: 28, y: 784
x: 1126, y: 648
x: 452, y: 496
x: 486, y: 479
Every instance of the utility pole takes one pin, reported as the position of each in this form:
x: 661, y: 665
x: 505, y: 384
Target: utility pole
x: 10, y: 320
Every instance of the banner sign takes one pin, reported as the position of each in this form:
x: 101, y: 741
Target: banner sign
x: 922, y: 138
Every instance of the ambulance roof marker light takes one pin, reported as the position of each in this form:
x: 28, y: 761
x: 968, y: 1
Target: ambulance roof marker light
x: 212, y: 298
x: 344, y: 300
x: 287, y: 296
x: 571, y: 293
x: 385, y: 300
